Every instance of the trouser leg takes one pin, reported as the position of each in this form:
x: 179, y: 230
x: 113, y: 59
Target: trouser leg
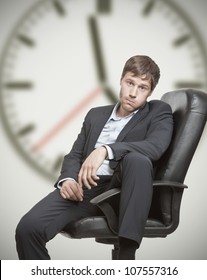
x: 47, y: 218
x: 136, y: 195
x: 127, y: 249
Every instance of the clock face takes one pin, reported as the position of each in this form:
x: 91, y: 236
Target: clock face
x: 64, y: 57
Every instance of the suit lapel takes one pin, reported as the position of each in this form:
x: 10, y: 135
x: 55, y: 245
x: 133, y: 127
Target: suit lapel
x: 99, y: 123
x: 134, y: 120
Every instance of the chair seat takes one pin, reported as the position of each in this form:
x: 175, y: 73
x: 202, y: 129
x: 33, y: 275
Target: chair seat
x: 97, y: 226
x: 88, y: 227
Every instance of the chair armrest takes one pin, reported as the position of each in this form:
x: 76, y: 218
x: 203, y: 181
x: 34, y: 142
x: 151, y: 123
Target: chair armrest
x: 170, y: 184
x: 167, y: 196
x: 106, y: 195
x: 112, y: 192
x: 102, y: 201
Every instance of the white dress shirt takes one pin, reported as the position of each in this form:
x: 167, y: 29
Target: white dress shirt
x: 109, y: 134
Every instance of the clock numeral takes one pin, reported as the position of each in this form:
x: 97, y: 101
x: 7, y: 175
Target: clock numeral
x: 57, y: 164
x: 59, y: 8
x: 26, y: 40
x: 182, y: 40
x: 189, y: 84
x: 148, y: 8
x: 103, y: 6
x: 19, y: 85
x: 26, y: 130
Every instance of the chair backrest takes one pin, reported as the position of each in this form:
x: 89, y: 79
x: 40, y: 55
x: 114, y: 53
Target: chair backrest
x: 189, y: 108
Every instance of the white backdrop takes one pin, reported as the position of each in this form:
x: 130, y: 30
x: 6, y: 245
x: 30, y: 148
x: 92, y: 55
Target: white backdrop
x: 21, y: 187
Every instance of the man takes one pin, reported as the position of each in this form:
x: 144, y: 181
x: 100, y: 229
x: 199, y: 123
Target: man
x: 125, y: 140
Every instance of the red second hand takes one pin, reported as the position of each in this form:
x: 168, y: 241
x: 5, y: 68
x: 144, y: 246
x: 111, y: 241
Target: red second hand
x: 42, y: 142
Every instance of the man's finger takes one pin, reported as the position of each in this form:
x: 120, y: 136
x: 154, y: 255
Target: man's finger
x: 82, y: 178
x: 75, y: 193
x: 72, y: 192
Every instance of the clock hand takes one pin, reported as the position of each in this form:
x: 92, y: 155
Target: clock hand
x: 99, y: 59
x: 65, y: 120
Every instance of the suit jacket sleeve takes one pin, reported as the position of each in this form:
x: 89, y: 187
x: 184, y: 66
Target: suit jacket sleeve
x: 73, y: 160
x: 158, y: 136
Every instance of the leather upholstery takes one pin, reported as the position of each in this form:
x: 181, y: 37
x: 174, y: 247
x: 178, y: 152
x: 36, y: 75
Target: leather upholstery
x: 189, y: 113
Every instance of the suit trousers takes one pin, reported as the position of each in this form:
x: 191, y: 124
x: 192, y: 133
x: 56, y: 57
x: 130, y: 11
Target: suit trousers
x: 49, y: 216
x: 136, y: 195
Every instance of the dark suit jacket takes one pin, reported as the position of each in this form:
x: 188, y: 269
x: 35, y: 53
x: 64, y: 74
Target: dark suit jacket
x: 148, y: 132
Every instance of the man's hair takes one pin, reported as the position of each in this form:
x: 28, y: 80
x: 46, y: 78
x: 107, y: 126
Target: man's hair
x: 143, y: 66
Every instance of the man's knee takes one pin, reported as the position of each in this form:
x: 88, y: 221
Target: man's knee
x: 27, y: 227
x: 136, y: 159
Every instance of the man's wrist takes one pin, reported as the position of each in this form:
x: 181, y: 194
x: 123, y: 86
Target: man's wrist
x: 59, y: 184
x: 110, y: 154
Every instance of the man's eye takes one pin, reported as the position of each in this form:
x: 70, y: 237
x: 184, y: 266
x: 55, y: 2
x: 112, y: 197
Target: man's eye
x: 142, y: 88
x: 129, y: 83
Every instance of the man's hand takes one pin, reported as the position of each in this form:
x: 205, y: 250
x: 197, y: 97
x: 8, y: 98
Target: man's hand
x: 71, y: 190
x: 87, y: 174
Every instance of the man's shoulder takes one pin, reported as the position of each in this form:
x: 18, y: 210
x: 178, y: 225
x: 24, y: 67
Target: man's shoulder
x: 99, y: 109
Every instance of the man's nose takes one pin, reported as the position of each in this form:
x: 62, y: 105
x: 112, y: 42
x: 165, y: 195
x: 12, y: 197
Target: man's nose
x: 133, y: 92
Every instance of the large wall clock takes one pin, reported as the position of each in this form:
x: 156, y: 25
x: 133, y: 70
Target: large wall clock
x: 65, y: 56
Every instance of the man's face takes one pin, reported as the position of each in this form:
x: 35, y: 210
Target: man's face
x: 133, y: 93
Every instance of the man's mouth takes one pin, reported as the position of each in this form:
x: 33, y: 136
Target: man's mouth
x: 131, y: 102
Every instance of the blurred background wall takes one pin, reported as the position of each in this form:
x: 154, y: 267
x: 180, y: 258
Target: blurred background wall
x: 52, y: 72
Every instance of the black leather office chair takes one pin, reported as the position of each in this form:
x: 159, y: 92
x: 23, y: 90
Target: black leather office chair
x: 189, y: 108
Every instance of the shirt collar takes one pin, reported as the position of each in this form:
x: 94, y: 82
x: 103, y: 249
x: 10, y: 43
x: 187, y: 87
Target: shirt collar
x: 114, y: 116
